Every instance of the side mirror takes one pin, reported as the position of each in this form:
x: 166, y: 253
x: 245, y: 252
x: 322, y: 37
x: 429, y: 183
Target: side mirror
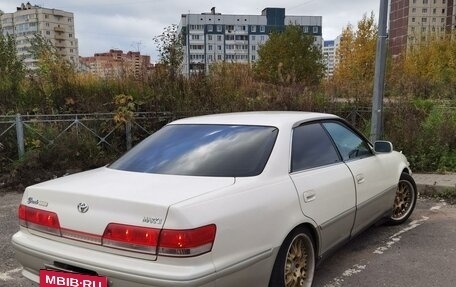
x: 383, y: 147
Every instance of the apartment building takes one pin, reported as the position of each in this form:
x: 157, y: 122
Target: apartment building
x: 55, y: 25
x: 330, y: 55
x: 213, y: 37
x: 413, y: 22
x: 116, y: 64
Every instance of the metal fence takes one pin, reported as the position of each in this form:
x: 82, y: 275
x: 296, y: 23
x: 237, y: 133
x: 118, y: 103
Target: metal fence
x: 18, y: 133
x: 24, y: 130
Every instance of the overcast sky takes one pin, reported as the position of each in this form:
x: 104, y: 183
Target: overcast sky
x: 131, y: 24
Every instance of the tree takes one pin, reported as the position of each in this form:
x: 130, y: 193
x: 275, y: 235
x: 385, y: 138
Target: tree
x: 427, y: 71
x: 169, y: 45
x: 11, y: 73
x: 354, y: 73
x: 53, y: 78
x: 290, y: 57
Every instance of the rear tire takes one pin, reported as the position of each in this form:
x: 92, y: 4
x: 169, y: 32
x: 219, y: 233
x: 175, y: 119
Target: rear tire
x: 295, y: 262
x: 405, y: 200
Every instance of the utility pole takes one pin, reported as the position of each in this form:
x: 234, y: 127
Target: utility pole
x: 379, y: 77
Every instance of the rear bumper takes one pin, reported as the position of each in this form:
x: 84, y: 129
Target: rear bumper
x: 34, y: 252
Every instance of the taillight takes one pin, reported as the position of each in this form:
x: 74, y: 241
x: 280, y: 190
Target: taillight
x: 132, y: 238
x: 190, y: 242
x: 38, y: 219
x: 168, y: 242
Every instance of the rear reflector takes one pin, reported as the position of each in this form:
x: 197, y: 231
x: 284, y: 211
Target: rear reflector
x: 41, y: 220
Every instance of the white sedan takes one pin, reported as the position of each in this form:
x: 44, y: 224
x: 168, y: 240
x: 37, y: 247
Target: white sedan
x: 242, y: 199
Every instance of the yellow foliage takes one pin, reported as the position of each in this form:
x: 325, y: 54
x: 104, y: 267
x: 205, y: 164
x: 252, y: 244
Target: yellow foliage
x: 354, y: 72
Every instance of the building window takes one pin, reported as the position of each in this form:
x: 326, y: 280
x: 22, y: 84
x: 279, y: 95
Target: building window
x: 209, y: 57
x: 433, y: 20
x: 434, y: 11
x: 219, y: 28
x: 209, y: 37
x: 414, y: 1
x: 70, y: 19
x: 46, y: 16
x: 423, y: 20
x: 425, y: 1
x: 424, y: 10
x: 413, y: 10
x: 413, y: 20
x: 442, y: 20
x: 253, y: 38
x: 209, y: 47
x: 305, y: 29
x: 219, y: 57
x: 262, y: 38
x: 48, y: 32
x: 253, y: 57
x: 210, y: 28
x: 70, y: 35
x: 230, y: 28
x: 195, y: 37
x: 443, y: 1
x: 219, y: 47
x: 443, y: 11
x: 315, y: 30
x: 219, y: 38
x: 253, y: 28
x: 71, y: 50
x: 262, y: 29
x: 253, y: 47
x: 47, y: 24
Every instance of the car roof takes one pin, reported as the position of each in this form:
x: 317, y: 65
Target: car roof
x: 268, y: 118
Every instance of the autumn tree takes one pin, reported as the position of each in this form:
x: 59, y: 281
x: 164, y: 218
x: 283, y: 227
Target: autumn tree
x: 170, y: 49
x: 427, y: 70
x: 11, y: 73
x: 53, y: 77
x: 354, y: 72
x: 290, y: 57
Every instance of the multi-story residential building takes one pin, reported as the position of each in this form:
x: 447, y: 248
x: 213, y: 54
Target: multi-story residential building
x: 330, y: 55
x: 116, y: 64
x: 413, y: 22
x: 213, y: 37
x: 55, y: 25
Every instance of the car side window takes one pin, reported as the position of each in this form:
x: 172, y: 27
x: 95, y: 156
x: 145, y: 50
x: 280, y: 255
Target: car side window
x: 349, y: 144
x: 311, y: 147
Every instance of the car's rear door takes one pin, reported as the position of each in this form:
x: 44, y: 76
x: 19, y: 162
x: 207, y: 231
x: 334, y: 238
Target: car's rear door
x: 375, y: 179
x: 324, y: 184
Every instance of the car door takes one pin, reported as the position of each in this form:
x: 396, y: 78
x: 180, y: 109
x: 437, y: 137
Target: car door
x: 374, y: 179
x: 324, y: 184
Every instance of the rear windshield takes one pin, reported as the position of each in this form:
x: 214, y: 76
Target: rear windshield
x: 202, y: 150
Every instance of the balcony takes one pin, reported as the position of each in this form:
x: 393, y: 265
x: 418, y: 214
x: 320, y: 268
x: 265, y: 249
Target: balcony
x: 59, y: 29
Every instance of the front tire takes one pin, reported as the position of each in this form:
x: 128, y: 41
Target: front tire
x: 295, y: 262
x: 405, y: 200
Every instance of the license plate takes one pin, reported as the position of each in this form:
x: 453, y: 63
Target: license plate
x: 51, y: 278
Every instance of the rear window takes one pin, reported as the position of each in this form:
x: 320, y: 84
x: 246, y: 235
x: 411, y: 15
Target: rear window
x: 202, y: 150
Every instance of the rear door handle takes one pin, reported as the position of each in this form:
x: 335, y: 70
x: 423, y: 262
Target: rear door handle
x: 309, y: 196
x: 360, y: 178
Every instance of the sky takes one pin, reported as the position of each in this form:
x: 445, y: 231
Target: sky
x: 131, y: 25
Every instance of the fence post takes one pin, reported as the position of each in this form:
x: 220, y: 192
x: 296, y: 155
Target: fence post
x: 128, y: 134
x: 20, y: 136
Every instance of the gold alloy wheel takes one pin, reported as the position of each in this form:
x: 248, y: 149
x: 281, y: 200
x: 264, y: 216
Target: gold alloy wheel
x: 404, y: 200
x: 299, y: 264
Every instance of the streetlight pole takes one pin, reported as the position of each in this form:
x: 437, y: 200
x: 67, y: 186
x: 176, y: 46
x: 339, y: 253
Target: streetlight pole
x: 379, y: 77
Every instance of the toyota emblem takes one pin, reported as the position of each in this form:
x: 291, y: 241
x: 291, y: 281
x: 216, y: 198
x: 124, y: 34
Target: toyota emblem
x: 83, y: 207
